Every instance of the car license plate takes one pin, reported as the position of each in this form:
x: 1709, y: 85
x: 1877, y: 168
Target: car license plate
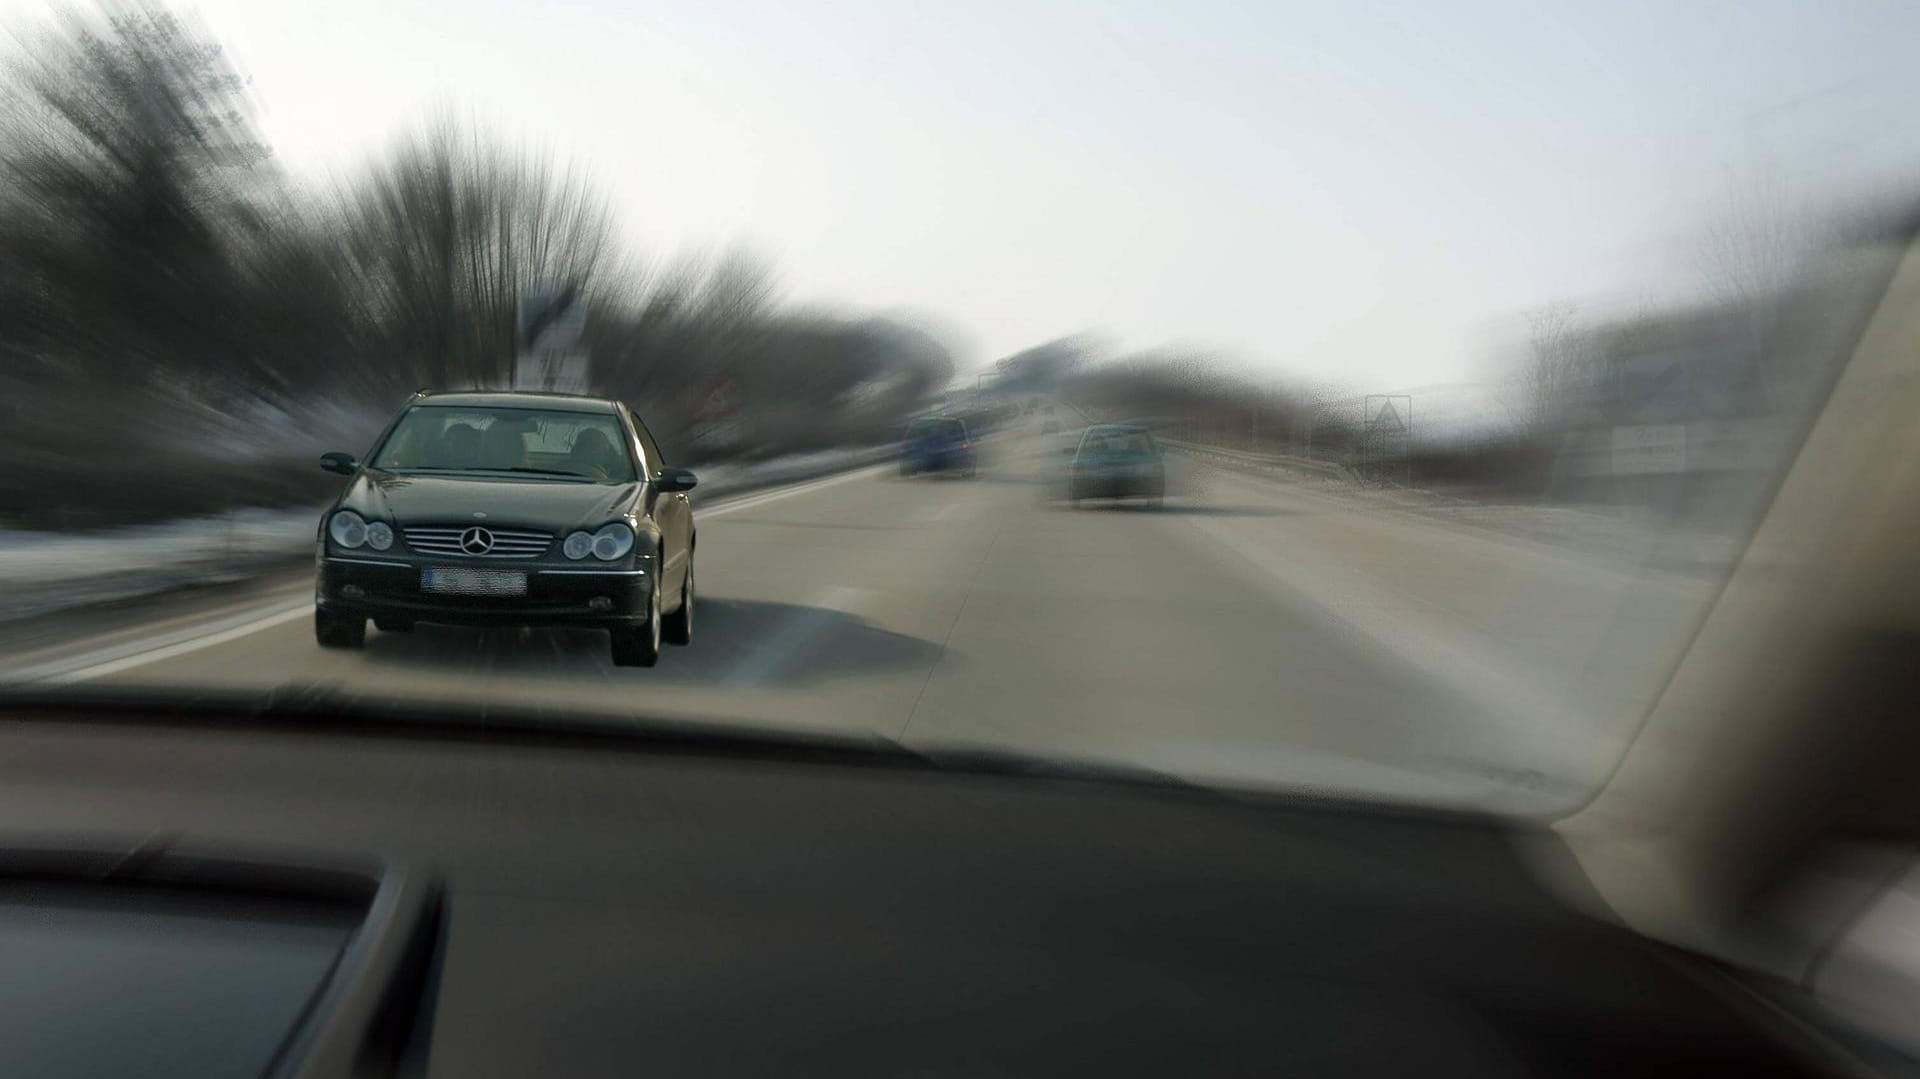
x: 460, y: 581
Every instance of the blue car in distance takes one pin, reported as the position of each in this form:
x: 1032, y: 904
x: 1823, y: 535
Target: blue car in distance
x: 1117, y: 460
x: 937, y: 444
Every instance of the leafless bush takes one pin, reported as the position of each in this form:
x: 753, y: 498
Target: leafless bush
x: 164, y: 289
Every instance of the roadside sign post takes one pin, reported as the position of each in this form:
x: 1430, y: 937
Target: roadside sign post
x: 1386, y: 435
x: 551, y: 319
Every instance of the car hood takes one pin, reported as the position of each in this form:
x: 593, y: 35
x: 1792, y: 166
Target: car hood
x: 555, y: 506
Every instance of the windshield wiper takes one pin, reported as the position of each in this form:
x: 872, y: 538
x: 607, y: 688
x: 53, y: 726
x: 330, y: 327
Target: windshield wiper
x: 502, y: 468
x: 543, y: 472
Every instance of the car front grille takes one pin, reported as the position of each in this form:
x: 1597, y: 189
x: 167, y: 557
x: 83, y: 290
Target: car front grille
x: 507, y: 542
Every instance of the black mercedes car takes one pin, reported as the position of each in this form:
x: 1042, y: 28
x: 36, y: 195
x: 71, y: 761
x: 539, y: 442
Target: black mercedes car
x: 515, y: 509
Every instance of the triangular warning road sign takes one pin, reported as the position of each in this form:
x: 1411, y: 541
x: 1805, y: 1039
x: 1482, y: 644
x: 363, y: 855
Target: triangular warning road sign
x: 1388, y: 419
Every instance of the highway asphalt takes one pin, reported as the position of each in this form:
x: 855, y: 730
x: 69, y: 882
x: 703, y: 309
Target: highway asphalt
x: 1253, y: 633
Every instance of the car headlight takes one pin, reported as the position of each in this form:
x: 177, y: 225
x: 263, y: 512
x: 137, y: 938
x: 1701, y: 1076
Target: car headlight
x: 349, y: 530
x: 609, y: 543
x: 379, y: 535
x: 612, y: 542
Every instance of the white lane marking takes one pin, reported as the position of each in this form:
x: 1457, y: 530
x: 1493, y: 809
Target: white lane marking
x: 945, y: 511
x: 791, y: 633
x: 79, y: 670
x: 750, y: 501
x: 214, y: 620
x: 1530, y: 716
x: 1634, y: 571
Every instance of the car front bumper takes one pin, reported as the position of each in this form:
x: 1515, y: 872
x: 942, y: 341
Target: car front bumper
x: 1116, y: 485
x: 555, y: 595
x: 936, y: 460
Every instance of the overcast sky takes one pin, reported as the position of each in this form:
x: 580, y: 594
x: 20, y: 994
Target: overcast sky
x: 1337, y: 187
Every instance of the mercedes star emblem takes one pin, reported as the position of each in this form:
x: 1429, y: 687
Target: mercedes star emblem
x: 476, y: 540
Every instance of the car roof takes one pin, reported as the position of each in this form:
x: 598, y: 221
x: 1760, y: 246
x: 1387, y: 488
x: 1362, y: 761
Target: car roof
x: 1116, y: 429
x: 553, y: 402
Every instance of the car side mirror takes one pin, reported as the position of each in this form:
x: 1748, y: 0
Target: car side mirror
x: 343, y: 463
x: 676, y: 479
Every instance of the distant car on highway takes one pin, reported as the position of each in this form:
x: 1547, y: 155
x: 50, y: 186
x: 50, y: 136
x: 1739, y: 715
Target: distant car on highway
x: 938, y: 444
x: 1117, y: 461
x: 514, y: 509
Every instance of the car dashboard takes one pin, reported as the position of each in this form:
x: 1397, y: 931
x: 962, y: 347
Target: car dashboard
x: 529, y: 900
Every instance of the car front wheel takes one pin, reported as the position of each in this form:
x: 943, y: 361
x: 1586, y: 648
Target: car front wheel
x: 678, y: 628
x: 337, y: 630
x: 639, y: 646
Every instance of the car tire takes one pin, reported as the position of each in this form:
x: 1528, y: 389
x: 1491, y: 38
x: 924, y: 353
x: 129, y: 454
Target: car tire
x: 639, y: 646
x: 678, y: 627
x: 337, y: 630
x: 393, y: 625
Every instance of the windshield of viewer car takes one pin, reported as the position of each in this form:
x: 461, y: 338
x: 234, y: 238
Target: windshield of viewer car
x: 551, y: 444
x: 1377, y: 400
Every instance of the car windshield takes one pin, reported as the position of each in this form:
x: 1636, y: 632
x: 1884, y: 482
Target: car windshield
x: 1355, y: 398
x: 577, y: 445
x: 920, y: 429
x: 1117, y: 441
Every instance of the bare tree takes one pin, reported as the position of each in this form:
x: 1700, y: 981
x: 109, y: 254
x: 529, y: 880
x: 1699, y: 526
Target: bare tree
x: 1757, y: 248
x: 449, y: 231
x: 1556, y: 368
x: 127, y: 172
x: 158, y: 278
x: 1330, y: 421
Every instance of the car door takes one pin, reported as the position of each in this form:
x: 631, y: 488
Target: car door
x: 672, y: 511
